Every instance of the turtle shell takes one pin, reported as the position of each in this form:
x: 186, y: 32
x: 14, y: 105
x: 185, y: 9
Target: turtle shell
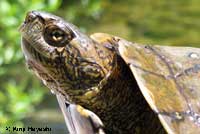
x: 169, y: 79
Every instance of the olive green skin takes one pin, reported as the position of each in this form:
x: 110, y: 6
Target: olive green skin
x: 113, y: 77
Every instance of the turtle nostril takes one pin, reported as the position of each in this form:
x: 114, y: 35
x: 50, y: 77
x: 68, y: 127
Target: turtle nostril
x: 30, y: 16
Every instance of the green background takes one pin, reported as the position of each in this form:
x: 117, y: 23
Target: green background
x: 24, y: 100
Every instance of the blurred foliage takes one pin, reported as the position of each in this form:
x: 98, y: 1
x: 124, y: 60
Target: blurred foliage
x: 17, y: 93
x: 83, y: 13
x: 173, y: 22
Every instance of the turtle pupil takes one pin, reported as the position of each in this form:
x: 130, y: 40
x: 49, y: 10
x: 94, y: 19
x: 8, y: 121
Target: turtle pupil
x: 57, y: 35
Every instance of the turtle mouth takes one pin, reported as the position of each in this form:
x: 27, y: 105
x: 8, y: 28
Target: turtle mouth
x: 29, y: 51
x: 26, y: 48
x: 34, y: 60
x: 31, y: 55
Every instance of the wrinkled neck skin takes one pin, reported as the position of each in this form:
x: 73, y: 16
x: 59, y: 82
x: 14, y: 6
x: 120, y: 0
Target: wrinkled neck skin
x: 120, y: 104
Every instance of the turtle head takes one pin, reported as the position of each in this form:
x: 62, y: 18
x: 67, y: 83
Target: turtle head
x: 49, y: 34
x: 63, y: 57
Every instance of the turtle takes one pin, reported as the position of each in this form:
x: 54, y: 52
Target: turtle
x: 106, y: 84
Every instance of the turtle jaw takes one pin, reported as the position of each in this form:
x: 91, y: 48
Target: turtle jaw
x: 40, y: 65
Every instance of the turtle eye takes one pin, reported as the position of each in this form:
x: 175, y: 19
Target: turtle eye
x: 56, y: 36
